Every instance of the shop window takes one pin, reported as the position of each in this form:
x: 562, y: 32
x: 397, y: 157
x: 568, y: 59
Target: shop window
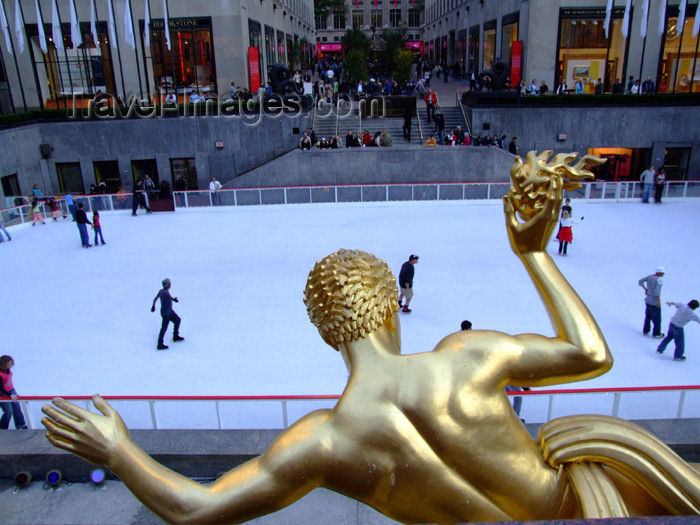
x: 509, y: 34
x: 414, y: 17
x: 489, y: 45
x: 473, y: 51
x: 187, y: 169
x: 189, y: 65
x: 70, y: 179
x: 81, y: 70
x: 10, y: 185
x: 585, y: 53
x: 680, y: 67
x: 376, y: 15
x: 339, y: 21
x: 281, y: 53
x: 107, y: 171
x: 321, y: 22
x: 141, y: 168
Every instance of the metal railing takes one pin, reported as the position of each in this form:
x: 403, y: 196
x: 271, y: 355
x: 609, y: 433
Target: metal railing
x: 467, y: 123
x: 615, y: 191
x: 275, y: 412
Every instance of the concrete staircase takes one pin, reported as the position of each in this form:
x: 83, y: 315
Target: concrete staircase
x: 453, y: 118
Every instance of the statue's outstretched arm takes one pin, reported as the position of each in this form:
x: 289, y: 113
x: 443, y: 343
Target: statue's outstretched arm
x: 287, y: 471
x: 579, y: 350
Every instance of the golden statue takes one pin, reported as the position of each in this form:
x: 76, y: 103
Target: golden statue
x: 431, y: 437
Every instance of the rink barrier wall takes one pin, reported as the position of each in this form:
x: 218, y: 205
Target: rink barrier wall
x: 448, y: 191
x: 280, y: 411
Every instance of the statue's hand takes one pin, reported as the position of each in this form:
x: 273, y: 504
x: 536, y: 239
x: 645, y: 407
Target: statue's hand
x: 92, y: 437
x: 532, y: 235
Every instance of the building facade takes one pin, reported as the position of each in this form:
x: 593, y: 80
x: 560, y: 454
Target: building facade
x: 566, y: 40
x: 122, y: 47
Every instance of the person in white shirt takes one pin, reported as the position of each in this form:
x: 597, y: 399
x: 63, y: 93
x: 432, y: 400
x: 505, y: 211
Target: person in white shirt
x: 214, y: 188
x: 684, y: 314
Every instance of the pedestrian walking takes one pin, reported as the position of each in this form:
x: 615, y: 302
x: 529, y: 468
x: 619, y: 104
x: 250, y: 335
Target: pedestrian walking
x: 167, y: 313
x: 684, y: 314
x: 406, y: 282
x: 97, y: 226
x: 652, y: 287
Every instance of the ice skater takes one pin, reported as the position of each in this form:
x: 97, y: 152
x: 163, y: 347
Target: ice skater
x: 167, y: 313
x: 566, y: 235
x: 82, y: 221
x: 652, y: 314
x: 36, y: 211
x: 406, y: 282
x: 684, y: 314
x: 2, y: 228
x: 96, y: 226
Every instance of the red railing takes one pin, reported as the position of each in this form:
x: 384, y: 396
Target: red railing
x: 539, y: 406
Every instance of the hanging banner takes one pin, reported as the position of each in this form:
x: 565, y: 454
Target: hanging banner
x: 76, y: 35
x: 167, y: 24
x: 6, y: 29
x: 93, y: 24
x: 112, y: 27
x: 254, y: 68
x: 681, y: 16
x: 644, y: 20
x: 516, y: 62
x: 606, y: 24
x: 19, y: 35
x: 662, y: 18
x: 626, y: 19
x: 129, y: 36
x: 56, y: 27
x: 147, y: 25
x: 42, y: 35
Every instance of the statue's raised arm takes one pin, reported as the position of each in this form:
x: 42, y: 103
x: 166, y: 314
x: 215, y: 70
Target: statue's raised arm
x: 532, y: 210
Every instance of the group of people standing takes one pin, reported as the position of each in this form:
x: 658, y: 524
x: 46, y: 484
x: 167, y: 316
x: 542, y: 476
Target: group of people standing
x: 652, y: 178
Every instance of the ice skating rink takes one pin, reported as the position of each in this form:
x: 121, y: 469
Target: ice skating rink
x: 78, y: 321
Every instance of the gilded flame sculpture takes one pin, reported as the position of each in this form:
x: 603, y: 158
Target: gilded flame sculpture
x: 431, y: 437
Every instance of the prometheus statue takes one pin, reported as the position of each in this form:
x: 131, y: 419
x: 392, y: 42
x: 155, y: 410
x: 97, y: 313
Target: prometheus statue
x: 432, y: 437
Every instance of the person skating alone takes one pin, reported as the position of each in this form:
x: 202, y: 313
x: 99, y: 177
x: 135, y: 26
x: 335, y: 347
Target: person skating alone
x: 11, y: 408
x: 652, y: 314
x: 684, y: 314
x: 406, y: 282
x: 565, y: 235
x: 167, y: 313
x: 139, y: 198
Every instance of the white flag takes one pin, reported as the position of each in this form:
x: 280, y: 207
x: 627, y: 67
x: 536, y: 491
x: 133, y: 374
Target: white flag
x: 608, y: 11
x: 93, y: 24
x: 42, y: 35
x: 56, y: 27
x: 681, y: 17
x: 6, y: 29
x: 75, y: 34
x: 167, y: 24
x: 696, y: 24
x: 644, y: 21
x: 112, y: 28
x: 129, y: 25
x: 662, y: 17
x: 626, y: 19
x: 19, y: 35
x: 147, y: 25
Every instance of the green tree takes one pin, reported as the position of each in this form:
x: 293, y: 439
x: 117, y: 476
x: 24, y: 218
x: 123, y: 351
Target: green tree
x: 325, y: 8
x: 403, y: 65
x: 356, y: 66
x: 357, y: 40
x: 392, y: 41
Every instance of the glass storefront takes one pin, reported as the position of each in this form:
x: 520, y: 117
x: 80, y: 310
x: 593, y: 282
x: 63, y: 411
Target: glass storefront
x: 489, y: 45
x: 509, y: 34
x: 680, y: 62
x: 473, y: 51
x: 584, y: 52
x: 187, y: 169
x: 81, y: 70
x: 189, y: 65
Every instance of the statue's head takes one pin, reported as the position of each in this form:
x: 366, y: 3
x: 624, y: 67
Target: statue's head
x: 350, y: 294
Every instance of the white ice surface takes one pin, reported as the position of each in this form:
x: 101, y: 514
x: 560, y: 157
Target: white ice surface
x: 78, y: 321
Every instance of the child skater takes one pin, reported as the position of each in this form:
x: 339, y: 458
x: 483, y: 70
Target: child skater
x: 96, y: 226
x: 55, y: 210
x: 36, y: 210
x: 565, y: 234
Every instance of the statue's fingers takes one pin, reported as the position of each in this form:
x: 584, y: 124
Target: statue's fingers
x: 61, y: 443
x: 58, y: 430
x: 509, y: 211
x: 70, y: 408
x: 59, y: 417
x: 102, y: 405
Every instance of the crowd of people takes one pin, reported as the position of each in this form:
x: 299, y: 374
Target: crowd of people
x: 632, y: 87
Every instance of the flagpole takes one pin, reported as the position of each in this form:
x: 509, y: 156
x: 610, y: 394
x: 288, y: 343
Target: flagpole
x: 36, y: 74
x: 136, y: 52
x: 14, y: 55
x: 119, y: 55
